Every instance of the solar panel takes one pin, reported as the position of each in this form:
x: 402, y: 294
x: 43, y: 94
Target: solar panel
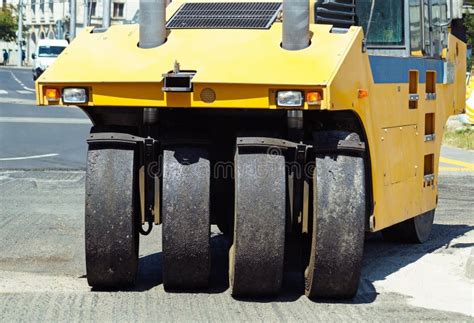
x: 225, y: 15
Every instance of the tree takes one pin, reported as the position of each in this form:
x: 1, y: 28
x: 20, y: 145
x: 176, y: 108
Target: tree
x: 8, y: 25
x: 468, y: 21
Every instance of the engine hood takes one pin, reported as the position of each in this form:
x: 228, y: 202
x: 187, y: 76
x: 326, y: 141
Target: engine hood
x: 238, y: 56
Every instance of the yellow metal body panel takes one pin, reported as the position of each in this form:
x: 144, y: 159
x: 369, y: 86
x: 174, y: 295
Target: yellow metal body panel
x: 119, y: 64
x: 246, y: 67
x: 117, y: 57
x: 385, y: 112
x: 400, y: 166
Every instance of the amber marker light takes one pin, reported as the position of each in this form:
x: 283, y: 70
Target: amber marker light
x: 361, y: 93
x: 52, y: 94
x: 314, y: 98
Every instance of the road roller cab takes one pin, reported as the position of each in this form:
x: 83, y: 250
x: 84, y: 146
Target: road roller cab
x: 295, y: 126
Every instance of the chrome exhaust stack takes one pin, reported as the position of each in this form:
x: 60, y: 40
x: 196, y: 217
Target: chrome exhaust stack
x: 152, y: 23
x: 295, y: 24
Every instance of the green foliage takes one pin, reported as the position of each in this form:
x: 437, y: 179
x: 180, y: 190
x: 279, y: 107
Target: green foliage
x: 8, y: 25
x: 469, y: 23
x: 461, y: 138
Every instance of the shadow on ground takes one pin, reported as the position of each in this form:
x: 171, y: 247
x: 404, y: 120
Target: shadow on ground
x: 381, y: 259
x: 151, y: 268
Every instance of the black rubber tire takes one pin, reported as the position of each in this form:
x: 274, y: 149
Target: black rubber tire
x: 185, y: 218
x: 257, y: 253
x: 336, y: 241
x: 111, y: 218
x: 414, y: 230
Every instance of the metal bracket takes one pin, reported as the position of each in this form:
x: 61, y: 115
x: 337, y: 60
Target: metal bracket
x: 148, y: 153
x: 300, y: 154
x: 431, y: 137
x: 429, y: 178
x: 178, y: 81
x: 263, y: 142
x: 113, y: 138
x: 413, y: 97
x: 342, y: 145
x: 148, y: 159
x: 430, y: 96
x: 300, y: 206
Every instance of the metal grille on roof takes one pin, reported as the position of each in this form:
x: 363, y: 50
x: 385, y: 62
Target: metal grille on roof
x: 225, y: 15
x: 339, y: 13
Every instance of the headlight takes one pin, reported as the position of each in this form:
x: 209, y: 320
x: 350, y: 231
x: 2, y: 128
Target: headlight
x: 290, y: 98
x: 74, y: 95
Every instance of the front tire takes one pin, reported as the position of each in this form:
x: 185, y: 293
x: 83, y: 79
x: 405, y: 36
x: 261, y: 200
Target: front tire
x: 335, y: 243
x: 111, y: 223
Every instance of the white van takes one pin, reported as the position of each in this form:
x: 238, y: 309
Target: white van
x: 46, y: 52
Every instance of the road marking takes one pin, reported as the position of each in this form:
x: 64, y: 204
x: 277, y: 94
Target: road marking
x: 24, y: 92
x: 17, y: 101
x: 28, y: 157
x: 456, y: 162
x: 21, y: 83
x: 3, y: 92
x: 45, y: 120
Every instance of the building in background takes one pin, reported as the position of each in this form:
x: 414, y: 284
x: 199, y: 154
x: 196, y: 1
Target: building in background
x: 10, y: 47
x: 50, y: 19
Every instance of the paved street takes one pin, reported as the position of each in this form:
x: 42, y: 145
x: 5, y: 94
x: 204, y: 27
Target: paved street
x: 42, y: 270
x: 33, y: 137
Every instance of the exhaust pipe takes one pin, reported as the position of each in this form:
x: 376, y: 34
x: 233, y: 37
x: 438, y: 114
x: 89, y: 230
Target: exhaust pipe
x: 152, y: 23
x: 295, y: 24
x: 106, y: 14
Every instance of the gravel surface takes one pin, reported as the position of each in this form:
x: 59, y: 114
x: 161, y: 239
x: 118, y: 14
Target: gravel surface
x: 42, y: 271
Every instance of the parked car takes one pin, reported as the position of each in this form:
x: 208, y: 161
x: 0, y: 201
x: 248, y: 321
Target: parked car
x: 46, y: 53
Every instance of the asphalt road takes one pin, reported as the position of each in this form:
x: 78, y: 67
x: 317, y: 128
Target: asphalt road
x: 33, y: 137
x: 42, y: 271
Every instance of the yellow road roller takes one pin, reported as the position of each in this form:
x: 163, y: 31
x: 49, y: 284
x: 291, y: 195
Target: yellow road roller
x: 295, y: 126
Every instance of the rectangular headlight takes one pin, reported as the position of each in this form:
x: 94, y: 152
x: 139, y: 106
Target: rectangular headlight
x: 74, y: 95
x: 290, y: 98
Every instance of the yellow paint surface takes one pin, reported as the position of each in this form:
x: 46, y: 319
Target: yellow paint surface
x: 246, y: 67
x: 456, y: 162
